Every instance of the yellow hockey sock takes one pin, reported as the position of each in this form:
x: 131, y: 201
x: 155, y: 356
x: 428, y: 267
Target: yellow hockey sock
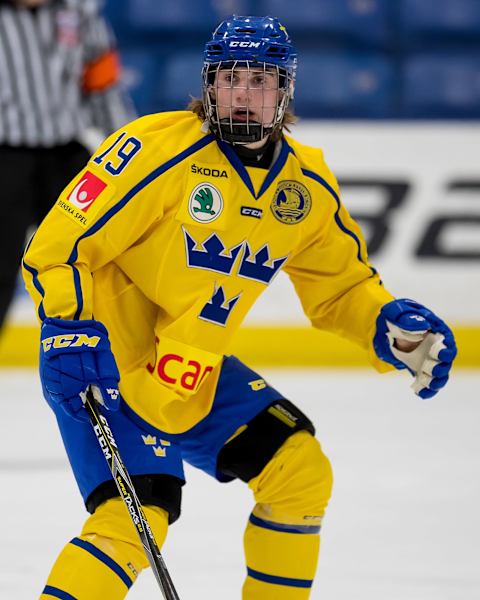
x: 104, y: 561
x: 282, y: 538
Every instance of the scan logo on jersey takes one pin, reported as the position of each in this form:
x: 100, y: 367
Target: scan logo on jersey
x: 291, y: 203
x: 205, y: 203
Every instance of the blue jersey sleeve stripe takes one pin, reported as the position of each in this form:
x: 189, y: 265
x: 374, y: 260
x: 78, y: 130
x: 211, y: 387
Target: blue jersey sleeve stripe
x: 38, y: 286
x: 282, y: 527
x: 55, y: 592
x: 338, y: 221
x: 288, y: 581
x: 41, y: 291
x: 138, y: 187
x: 78, y: 291
x: 121, y: 203
x: 101, y: 556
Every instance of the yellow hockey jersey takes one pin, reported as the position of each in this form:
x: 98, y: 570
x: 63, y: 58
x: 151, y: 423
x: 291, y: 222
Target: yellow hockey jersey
x: 168, y: 240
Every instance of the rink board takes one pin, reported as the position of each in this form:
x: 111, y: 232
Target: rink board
x: 258, y: 346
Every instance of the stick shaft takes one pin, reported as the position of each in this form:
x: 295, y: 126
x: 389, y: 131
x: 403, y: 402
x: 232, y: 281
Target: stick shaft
x: 127, y: 493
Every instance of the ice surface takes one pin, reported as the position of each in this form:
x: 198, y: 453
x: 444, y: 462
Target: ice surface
x: 403, y: 523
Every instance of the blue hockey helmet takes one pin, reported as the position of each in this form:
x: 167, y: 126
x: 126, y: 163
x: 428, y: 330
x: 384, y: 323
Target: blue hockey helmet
x: 252, y: 44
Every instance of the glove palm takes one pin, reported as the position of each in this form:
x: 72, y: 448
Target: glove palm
x: 430, y: 362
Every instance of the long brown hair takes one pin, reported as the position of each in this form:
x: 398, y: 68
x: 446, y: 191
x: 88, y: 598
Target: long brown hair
x: 289, y: 118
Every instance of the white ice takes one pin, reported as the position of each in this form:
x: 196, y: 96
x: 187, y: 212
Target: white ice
x: 403, y: 523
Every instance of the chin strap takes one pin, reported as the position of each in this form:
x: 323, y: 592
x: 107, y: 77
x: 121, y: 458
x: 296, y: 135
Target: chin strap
x: 258, y: 157
x: 241, y: 133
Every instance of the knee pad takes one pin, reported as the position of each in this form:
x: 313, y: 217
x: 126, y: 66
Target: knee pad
x: 246, y: 454
x: 164, y: 491
x: 106, y: 558
x: 111, y: 520
x: 296, y: 484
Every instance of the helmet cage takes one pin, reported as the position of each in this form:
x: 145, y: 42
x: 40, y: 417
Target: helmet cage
x: 249, y: 131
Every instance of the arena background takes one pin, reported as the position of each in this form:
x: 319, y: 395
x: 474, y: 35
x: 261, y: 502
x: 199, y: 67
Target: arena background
x: 390, y: 89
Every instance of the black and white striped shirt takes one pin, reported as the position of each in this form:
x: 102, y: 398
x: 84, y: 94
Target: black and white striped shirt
x: 43, y: 56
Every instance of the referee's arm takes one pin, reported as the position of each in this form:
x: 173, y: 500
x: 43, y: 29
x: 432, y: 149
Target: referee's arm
x: 104, y: 95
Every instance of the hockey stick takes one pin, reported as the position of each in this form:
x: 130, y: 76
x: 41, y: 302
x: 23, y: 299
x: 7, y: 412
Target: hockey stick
x: 127, y: 493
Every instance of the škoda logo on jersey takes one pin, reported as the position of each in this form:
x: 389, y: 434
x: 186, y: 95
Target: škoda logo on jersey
x: 208, y: 171
x: 205, y: 203
x: 291, y: 202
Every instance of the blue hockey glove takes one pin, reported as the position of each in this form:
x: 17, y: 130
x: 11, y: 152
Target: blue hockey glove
x: 431, y: 360
x: 73, y: 355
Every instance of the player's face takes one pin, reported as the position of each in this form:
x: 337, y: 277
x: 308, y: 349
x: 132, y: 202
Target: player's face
x: 247, y: 95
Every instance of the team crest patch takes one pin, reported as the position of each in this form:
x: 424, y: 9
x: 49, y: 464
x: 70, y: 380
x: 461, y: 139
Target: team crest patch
x: 205, y: 203
x: 291, y: 203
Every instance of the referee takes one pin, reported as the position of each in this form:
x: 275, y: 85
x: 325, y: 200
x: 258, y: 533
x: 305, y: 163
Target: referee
x: 59, y: 76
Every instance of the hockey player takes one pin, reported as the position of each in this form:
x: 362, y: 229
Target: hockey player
x: 142, y: 272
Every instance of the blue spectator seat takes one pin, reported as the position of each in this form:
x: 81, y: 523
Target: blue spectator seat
x: 361, y: 20
x: 139, y: 74
x: 181, y: 79
x: 344, y: 85
x: 365, y: 59
x: 181, y: 15
x: 442, y: 85
x: 444, y: 18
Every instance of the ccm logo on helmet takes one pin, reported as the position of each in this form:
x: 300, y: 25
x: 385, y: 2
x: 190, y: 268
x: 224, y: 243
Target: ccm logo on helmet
x: 236, y: 44
x: 74, y: 340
